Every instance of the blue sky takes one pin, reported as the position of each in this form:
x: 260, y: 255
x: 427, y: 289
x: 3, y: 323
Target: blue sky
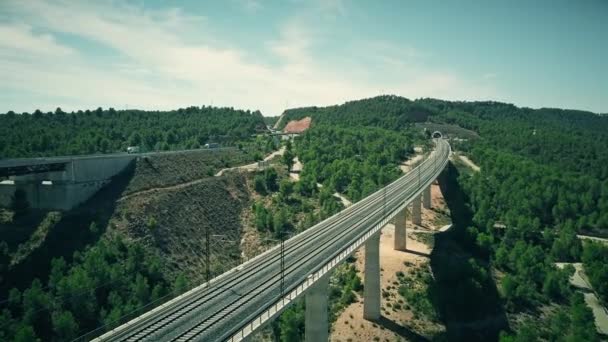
x: 270, y: 55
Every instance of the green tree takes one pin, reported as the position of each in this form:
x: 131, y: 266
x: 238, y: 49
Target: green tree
x: 65, y: 326
x: 259, y: 184
x: 262, y: 219
x: 141, y: 290
x: 152, y: 224
x: 292, y: 324
x: 279, y: 223
x: 35, y: 306
x: 287, y: 158
x: 567, y: 247
x: 181, y: 284
x: 25, y: 333
x: 271, y: 177
x: 286, y: 188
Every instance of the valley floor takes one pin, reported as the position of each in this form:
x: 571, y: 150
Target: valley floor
x: 398, y: 321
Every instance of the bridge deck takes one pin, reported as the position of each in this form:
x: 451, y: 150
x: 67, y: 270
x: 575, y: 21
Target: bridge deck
x: 234, y: 304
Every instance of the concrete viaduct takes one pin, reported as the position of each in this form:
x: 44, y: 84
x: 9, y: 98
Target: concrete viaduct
x: 62, y: 183
x: 59, y: 183
x: 239, y: 302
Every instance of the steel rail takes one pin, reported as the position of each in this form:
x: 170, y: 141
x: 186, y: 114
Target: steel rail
x: 324, y: 231
x: 297, y: 266
x: 194, y: 302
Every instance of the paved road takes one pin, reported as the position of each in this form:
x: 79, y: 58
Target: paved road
x: 216, y: 311
x: 579, y: 280
x: 593, y: 238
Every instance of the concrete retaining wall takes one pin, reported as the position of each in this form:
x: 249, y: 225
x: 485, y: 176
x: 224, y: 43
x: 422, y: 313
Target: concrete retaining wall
x: 65, y: 190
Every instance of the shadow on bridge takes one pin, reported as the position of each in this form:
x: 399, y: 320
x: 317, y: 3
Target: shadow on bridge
x: 464, y: 293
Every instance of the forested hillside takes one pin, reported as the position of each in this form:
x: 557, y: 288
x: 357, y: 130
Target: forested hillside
x: 568, y: 147
x: 129, y: 248
x: 106, y: 131
x: 352, y: 161
x: 137, y: 242
x: 388, y: 111
x: 543, y: 180
x: 355, y: 162
x: 567, y: 139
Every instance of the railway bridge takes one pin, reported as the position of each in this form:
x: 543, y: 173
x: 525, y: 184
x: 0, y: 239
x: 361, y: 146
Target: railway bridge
x: 62, y: 183
x: 239, y: 302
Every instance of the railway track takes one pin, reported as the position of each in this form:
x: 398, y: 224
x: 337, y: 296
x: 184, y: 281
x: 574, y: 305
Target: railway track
x: 212, y: 311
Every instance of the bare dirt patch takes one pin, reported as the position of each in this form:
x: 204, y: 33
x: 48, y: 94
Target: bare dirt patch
x: 297, y: 126
x: 398, y: 323
x: 469, y: 162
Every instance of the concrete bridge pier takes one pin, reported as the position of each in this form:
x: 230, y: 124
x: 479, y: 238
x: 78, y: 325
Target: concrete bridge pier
x: 416, y: 211
x: 400, y: 231
x: 426, y: 197
x: 316, y: 327
x: 371, y: 286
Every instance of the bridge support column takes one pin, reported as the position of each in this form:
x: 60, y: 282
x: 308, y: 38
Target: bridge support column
x: 371, y: 287
x: 416, y: 211
x: 400, y: 231
x: 316, y: 327
x: 426, y: 197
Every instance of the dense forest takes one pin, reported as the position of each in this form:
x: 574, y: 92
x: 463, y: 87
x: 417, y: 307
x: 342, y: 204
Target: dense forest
x: 354, y: 162
x: 525, y: 220
x: 543, y: 180
x: 108, y: 282
x: 106, y: 131
x: 109, y: 278
x: 387, y: 111
x: 566, y: 139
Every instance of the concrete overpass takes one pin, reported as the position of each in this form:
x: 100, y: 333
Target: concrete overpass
x: 62, y: 183
x: 234, y: 305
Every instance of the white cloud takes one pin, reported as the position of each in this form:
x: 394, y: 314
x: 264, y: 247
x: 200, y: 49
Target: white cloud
x: 165, y: 60
x: 20, y: 39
